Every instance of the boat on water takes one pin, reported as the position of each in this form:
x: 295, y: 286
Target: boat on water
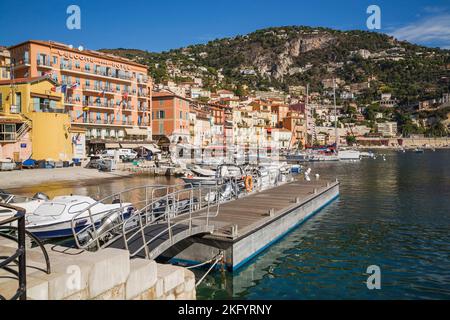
x: 419, y: 150
x: 29, y: 204
x: 53, y: 219
x: 345, y: 155
x: 198, y: 176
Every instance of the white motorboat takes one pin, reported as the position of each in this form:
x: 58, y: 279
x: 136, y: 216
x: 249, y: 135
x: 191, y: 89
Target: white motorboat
x: 349, y: 155
x: 223, y: 172
x: 53, y: 219
x: 203, y: 172
x: 29, y: 204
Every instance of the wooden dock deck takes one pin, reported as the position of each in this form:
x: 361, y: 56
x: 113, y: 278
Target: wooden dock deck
x: 246, y: 226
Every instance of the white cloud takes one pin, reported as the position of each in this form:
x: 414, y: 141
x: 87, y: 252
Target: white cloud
x: 434, y: 9
x: 433, y: 29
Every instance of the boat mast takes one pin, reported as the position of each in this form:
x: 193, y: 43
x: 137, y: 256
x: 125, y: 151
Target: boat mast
x: 307, y: 111
x: 335, y: 115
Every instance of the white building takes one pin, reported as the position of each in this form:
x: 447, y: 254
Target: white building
x: 280, y: 139
x: 387, y: 129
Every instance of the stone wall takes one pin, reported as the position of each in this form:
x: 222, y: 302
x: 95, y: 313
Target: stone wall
x: 105, y: 275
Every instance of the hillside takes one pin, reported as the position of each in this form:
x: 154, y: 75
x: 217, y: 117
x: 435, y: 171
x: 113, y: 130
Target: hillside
x: 285, y: 56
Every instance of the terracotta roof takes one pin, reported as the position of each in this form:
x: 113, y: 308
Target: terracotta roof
x: 26, y: 80
x: 162, y: 94
x: 87, y: 52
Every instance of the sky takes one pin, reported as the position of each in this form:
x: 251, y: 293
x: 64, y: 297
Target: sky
x: 163, y: 25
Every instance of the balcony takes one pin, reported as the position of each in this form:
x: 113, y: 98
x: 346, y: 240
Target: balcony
x: 48, y: 108
x: 91, y: 104
x: 103, y: 122
x: 45, y: 64
x: 22, y: 63
x: 98, y: 89
x: 106, y: 75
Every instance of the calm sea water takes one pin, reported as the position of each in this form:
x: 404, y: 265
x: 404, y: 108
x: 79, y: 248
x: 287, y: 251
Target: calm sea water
x: 394, y: 214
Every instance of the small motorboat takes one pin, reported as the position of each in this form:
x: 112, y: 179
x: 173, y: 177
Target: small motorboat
x: 53, y: 219
x: 349, y: 155
x: 419, y: 150
x: 223, y: 172
x: 29, y: 204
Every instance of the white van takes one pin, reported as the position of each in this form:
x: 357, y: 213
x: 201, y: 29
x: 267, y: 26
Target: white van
x: 123, y: 153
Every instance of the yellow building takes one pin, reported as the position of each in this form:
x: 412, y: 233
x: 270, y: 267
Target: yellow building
x: 33, y: 121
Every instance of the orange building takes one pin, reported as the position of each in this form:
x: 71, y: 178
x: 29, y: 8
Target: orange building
x: 281, y: 111
x: 108, y: 96
x: 296, y: 123
x: 170, y: 117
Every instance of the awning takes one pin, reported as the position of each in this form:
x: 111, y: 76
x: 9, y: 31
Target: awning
x: 136, y: 132
x: 10, y: 120
x: 112, y: 146
x: 129, y: 145
x: 45, y: 96
x: 149, y: 147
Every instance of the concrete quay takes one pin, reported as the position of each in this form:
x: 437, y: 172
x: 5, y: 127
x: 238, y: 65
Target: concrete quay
x: 108, y: 274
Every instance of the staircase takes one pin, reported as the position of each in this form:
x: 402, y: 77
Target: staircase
x: 26, y: 126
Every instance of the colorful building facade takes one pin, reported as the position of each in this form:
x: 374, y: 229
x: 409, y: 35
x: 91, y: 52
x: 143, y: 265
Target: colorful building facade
x: 170, y: 117
x: 108, y: 96
x: 33, y: 121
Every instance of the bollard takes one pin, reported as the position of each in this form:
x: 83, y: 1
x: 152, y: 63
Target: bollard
x: 315, y: 190
x: 234, y: 231
x: 271, y: 212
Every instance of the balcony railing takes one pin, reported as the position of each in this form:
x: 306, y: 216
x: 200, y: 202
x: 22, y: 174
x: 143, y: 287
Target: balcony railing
x: 47, y: 108
x: 107, y: 74
x: 44, y: 63
x: 103, y: 122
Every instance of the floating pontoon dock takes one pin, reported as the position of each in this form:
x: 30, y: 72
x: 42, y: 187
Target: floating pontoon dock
x: 245, y: 227
x: 196, y: 226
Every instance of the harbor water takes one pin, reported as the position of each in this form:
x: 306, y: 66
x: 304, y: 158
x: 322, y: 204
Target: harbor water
x: 393, y: 213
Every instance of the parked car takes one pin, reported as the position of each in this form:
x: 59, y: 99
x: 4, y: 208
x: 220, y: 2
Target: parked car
x: 123, y: 153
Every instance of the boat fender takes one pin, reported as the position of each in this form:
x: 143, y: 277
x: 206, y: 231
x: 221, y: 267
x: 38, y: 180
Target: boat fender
x: 249, y: 183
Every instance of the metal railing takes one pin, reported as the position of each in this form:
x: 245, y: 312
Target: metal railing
x: 165, y: 206
x: 139, y: 198
x: 7, y: 230
x: 179, y: 211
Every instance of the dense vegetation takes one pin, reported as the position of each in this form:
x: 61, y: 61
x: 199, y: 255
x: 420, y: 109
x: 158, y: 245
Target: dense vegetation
x: 297, y: 55
x: 408, y: 71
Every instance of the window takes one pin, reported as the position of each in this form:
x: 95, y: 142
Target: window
x: 161, y: 127
x: 78, y: 207
x: 7, y: 132
x: 55, y: 60
x: 18, y: 104
x: 181, y: 115
x: 161, y: 114
x: 161, y: 102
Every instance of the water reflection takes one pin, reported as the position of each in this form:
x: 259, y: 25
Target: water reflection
x: 393, y: 213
